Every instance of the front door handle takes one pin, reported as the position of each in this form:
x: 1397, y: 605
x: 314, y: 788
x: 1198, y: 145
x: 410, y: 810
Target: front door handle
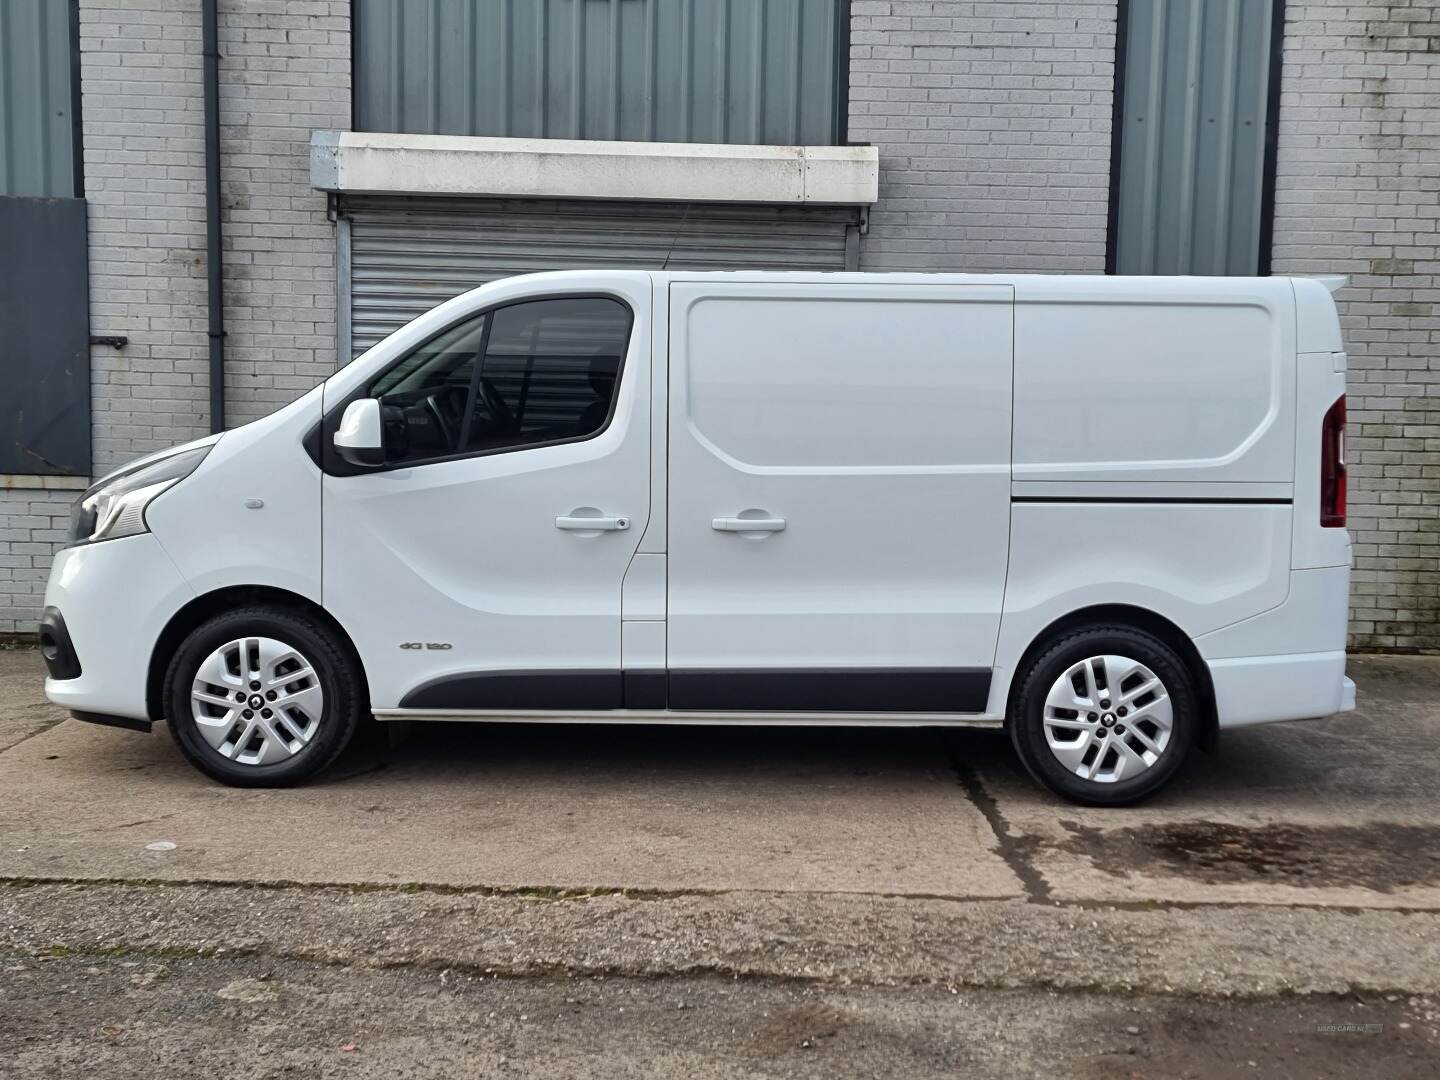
x: 598, y: 523
x: 748, y: 525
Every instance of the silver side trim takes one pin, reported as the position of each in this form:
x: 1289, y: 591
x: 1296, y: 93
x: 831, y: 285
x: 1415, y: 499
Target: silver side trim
x: 663, y: 716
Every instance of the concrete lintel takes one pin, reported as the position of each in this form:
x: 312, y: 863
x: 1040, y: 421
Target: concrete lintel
x: 393, y: 164
x: 35, y: 482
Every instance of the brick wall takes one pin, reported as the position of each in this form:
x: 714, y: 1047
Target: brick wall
x: 1358, y: 193
x: 993, y: 124
x: 284, y: 70
x: 32, y: 525
x: 140, y: 81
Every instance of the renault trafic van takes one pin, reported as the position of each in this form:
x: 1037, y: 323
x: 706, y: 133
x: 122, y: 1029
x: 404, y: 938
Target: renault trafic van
x: 1105, y: 514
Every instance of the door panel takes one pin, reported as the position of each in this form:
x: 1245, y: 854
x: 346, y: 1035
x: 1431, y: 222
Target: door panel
x: 471, y: 582
x: 839, y: 492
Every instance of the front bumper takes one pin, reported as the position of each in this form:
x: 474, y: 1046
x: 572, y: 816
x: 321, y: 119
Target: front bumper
x: 56, y: 648
x: 106, y: 720
x: 113, y: 599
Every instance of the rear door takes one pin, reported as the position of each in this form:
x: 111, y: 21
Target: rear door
x: 839, y: 495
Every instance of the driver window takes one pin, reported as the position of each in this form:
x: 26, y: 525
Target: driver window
x: 423, y: 398
x: 547, y: 372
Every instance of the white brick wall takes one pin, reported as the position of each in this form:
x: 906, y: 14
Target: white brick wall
x: 143, y: 118
x: 284, y: 69
x: 1358, y: 192
x: 993, y: 123
x: 32, y: 524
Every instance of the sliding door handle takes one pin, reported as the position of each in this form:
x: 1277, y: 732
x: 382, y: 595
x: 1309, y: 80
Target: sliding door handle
x: 748, y: 525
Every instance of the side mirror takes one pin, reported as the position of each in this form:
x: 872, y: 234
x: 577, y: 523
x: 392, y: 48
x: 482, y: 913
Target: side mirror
x: 360, y: 439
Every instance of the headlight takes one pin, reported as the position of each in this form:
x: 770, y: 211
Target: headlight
x: 116, y: 507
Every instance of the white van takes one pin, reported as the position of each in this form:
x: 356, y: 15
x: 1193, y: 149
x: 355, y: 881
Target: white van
x: 1104, y: 513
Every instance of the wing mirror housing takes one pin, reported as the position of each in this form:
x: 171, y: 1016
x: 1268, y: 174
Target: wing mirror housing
x: 360, y: 439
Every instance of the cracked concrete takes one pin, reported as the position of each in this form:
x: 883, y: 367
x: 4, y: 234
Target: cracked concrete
x: 1283, y: 814
x: 850, y: 939
x: 243, y: 1018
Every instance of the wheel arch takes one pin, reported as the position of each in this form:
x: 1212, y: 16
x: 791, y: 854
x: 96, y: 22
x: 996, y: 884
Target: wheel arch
x: 216, y: 602
x: 1142, y: 619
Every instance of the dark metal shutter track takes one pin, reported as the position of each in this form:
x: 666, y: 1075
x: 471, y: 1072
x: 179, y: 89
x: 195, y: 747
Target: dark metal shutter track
x: 409, y: 254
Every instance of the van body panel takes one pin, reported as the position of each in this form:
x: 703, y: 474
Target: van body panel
x: 452, y: 577
x: 654, y: 539
x: 1155, y: 380
x: 850, y: 498
x: 1317, y: 323
x: 251, y: 514
x: 882, y: 462
x: 1312, y: 619
x: 642, y: 608
x: 1201, y: 566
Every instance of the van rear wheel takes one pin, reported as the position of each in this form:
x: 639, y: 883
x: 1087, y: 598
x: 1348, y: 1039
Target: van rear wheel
x: 1105, y: 715
x: 262, y: 697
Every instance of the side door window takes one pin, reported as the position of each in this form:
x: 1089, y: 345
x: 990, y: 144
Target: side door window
x: 425, y: 397
x: 529, y: 374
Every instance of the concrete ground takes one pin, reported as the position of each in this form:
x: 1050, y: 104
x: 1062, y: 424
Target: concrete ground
x: 722, y: 902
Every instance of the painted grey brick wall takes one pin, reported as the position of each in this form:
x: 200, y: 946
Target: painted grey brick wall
x: 32, y: 524
x: 144, y: 165
x: 142, y: 113
x: 284, y: 69
x: 1358, y: 193
x: 993, y: 124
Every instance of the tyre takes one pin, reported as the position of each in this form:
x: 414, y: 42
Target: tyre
x: 1105, y: 715
x: 263, y: 697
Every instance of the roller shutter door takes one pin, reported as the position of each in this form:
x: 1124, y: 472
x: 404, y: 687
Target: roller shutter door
x: 408, y: 254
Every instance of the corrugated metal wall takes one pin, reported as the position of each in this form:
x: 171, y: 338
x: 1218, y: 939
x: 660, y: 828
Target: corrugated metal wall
x: 716, y: 71
x: 36, y: 134
x: 408, y: 255
x: 1193, y: 113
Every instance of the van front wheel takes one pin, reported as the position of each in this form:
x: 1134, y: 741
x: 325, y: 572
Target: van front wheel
x: 1105, y: 715
x: 262, y: 697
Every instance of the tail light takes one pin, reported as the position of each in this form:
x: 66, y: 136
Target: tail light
x: 1332, y: 467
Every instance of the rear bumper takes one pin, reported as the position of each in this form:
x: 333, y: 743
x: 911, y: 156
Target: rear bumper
x: 1287, y: 663
x: 1263, y: 689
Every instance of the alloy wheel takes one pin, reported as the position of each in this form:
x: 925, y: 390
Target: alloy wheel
x: 1108, y: 718
x: 257, y: 701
